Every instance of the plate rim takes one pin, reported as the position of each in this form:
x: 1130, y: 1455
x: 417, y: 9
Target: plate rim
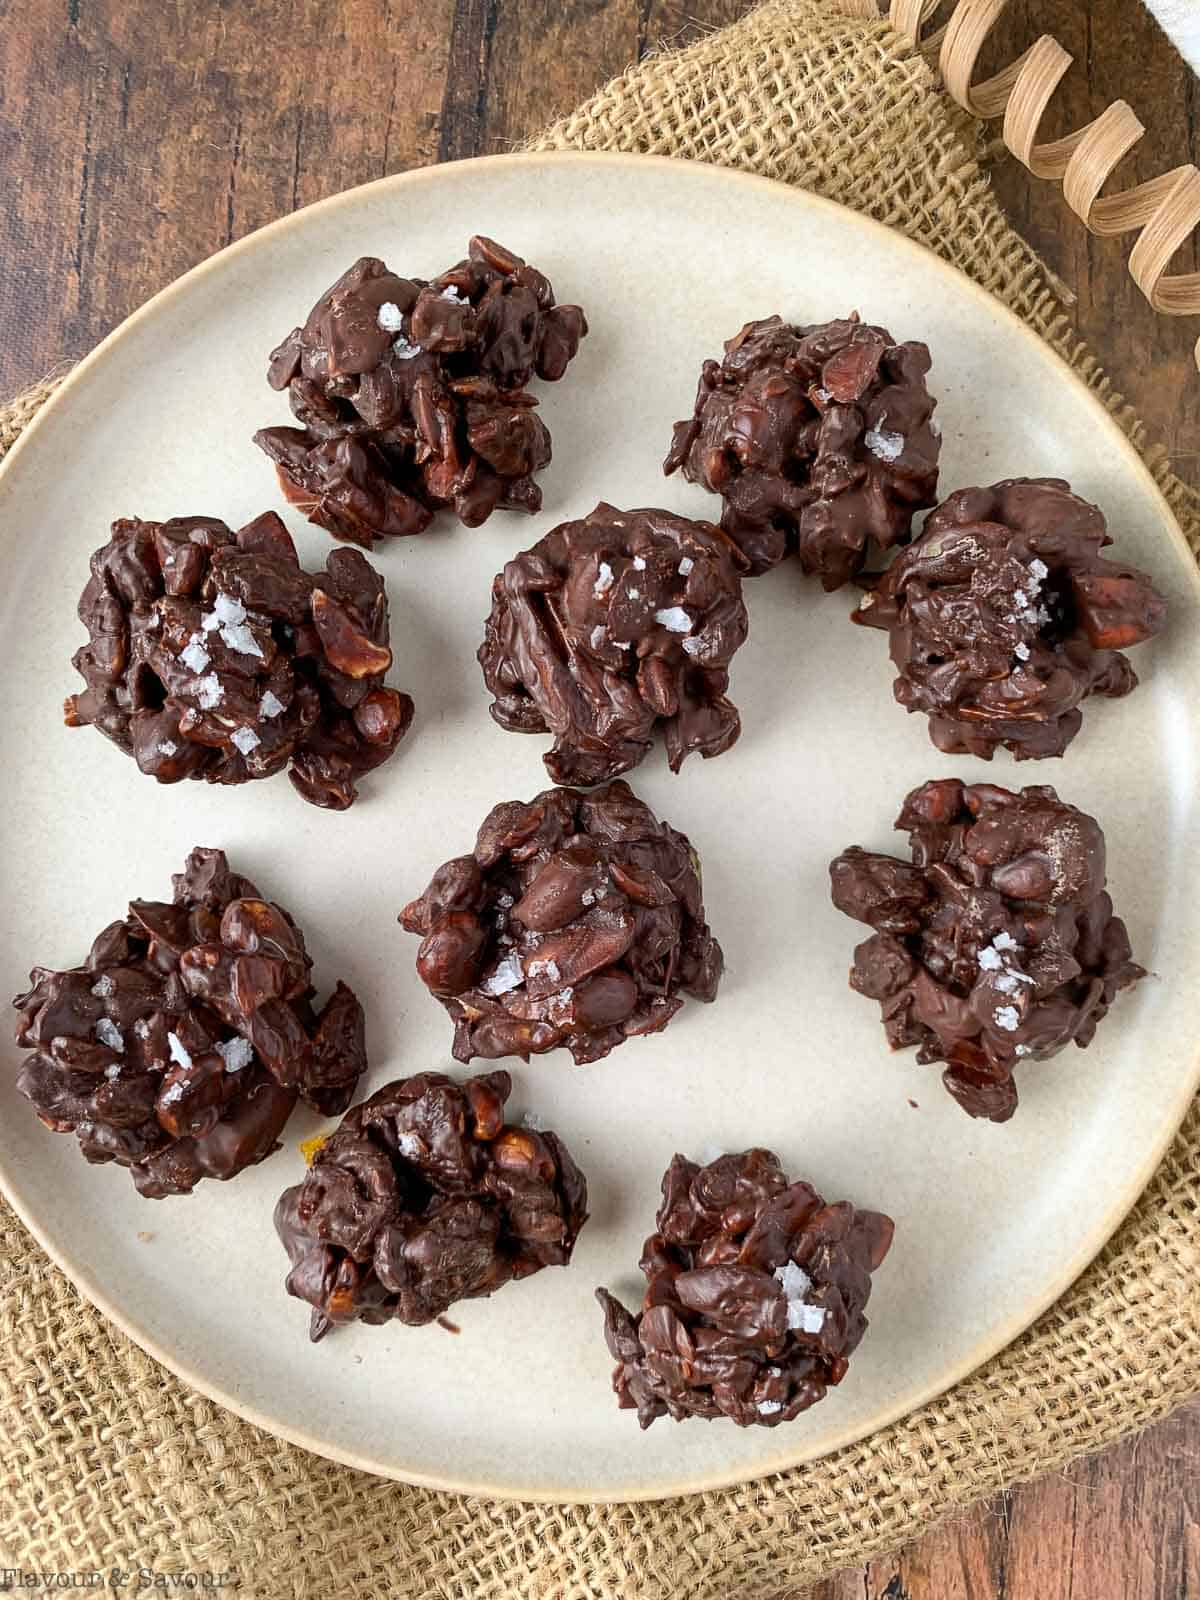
x: 1108, y: 1222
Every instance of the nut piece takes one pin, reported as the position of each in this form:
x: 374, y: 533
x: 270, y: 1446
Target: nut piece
x: 611, y: 626
x: 578, y: 921
x: 424, y: 1196
x: 755, y: 1290
x: 179, y: 1048
x: 817, y: 439
x: 998, y: 943
x: 411, y: 395
x: 1003, y: 617
x: 213, y: 655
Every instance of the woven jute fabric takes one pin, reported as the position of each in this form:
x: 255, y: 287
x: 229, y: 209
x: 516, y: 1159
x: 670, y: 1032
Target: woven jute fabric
x: 109, y: 1462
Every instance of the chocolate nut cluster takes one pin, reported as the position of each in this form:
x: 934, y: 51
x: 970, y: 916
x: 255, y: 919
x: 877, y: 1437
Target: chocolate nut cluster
x: 996, y: 944
x: 578, y: 921
x: 412, y: 395
x: 423, y: 1196
x: 180, y: 1046
x: 818, y: 440
x: 755, y: 1290
x: 212, y: 655
x: 610, y: 627
x: 1004, y: 616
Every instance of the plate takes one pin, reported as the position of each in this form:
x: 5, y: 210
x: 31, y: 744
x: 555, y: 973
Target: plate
x: 992, y: 1223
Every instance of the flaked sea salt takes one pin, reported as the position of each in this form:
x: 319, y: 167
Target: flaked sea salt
x: 548, y: 969
x: 1008, y: 1018
x: 103, y: 987
x: 238, y: 636
x: 693, y: 646
x: 404, y: 350
x: 588, y: 897
x: 1006, y: 982
x: 598, y: 635
x: 142, y: 1028
x: 508, y: 975
x: 390, y: 317
x: 194, y: 656
x: 455, y: 295
x: 209, y: 692
x: 604, y: 581
x: 1039, y: 569
x: 245, y: 739
x: 674, y: 619
x: 883, y: 445
x: 1024, y: 1049
x: 1005, y: 941
x: 236, y: 1053
x: 796, y: 1283
x: 685, y: 566
x: 793, y: 1280
x: 226, y: 608
x: 270, y: 705
x: 1021, y: 651
x: 108, y: 1033
x: 809, y: 1319
x: 635, y: 594
x: 409, y: 1145
x: 990, y: 959
x: 112, y: 1072
x: 172, y: 1094
x: 768, y: 1408
x: 167, y: 747
x: 178, y: 1051
x: 504, y: 901
x: 639, y: 563
x: 774, y: 1372
x: 229, y: 615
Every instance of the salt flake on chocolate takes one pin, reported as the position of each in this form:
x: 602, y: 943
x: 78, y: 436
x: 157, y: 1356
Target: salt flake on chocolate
x: 108, y: 1033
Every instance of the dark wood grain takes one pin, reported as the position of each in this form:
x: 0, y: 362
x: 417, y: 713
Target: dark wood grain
x: 138, y: 136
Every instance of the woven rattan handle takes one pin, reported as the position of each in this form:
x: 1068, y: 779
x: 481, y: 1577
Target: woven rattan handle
x: 1163, y: 211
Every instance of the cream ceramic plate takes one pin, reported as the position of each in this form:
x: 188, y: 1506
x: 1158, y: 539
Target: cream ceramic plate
x: 991, y: 1223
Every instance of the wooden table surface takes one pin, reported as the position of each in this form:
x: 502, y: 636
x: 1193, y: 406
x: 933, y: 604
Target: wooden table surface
x: 138, y: 136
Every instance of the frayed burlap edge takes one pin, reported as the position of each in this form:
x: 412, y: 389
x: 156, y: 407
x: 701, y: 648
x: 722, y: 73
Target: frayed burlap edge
x: 109, y: 1461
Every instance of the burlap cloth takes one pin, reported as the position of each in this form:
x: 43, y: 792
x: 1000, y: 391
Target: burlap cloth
x: 108, y: 1461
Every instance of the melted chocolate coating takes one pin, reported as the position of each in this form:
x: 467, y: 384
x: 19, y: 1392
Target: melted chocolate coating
x: 755, y: 1290
x: 411, y: 395
x: 818, y: 440
x: 998, y: 943
x: 578, y: 921
x: 180, y: 1046
x: 611, y: 626
x: 1004, y: 616
x: 425, y: 1196
x: 212, y: 655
